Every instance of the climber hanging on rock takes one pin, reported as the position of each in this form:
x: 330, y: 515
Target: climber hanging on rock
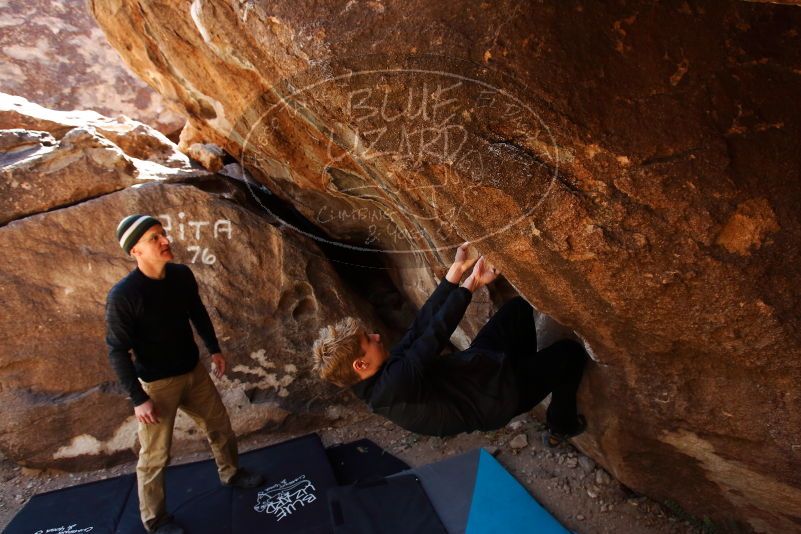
x: 498, y: 377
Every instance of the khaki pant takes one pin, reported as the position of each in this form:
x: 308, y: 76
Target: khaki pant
x: 195, y: 394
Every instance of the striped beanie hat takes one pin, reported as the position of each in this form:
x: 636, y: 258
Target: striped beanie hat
x: 131, y: 229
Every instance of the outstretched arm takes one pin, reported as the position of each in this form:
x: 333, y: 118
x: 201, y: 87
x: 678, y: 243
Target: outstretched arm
x: 405, y: 371
x: 442, y: 324
x: 436, y: 333
x: 461, y: 264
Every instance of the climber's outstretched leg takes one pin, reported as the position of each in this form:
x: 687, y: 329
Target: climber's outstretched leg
x: 556, y: 370
x: 510, y: 329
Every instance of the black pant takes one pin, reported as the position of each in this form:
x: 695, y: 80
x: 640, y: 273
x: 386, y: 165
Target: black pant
x: 556, y: 370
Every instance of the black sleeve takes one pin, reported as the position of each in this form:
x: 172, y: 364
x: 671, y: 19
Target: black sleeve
x: 200, y: 317
x: 425, y: 314
x: 405, y: 373
x: 119, y: 333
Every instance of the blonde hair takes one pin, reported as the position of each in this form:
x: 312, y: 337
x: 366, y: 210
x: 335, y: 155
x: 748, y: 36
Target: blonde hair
x: 336, y: 348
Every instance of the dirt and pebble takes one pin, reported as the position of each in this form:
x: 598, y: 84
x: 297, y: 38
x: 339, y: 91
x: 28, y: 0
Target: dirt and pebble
x: 584, y: 497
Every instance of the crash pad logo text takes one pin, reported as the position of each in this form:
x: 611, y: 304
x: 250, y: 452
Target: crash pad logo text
x: 71, y: 529
x: 283, y: 498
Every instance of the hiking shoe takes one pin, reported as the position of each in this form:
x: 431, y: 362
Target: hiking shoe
x: 170, y: 527
x: 245, y: 479
x: 553, y: 439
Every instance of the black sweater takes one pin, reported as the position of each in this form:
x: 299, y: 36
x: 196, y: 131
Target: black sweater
x: 429, y: 393
x: 151, y: 317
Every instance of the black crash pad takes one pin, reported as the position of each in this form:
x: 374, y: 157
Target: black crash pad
x: 292, y: 500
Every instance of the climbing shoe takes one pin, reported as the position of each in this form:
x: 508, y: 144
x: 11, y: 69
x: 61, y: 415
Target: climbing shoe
x: 553, y: 439
x: 245, y: 479
x: 169, y: 527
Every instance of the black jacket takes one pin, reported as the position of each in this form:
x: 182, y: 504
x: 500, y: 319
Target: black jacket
x: 426, y: 392
x: 151, y: 318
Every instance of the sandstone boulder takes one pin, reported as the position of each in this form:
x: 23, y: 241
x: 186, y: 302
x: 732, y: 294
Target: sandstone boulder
x: 76, y: 157
x: 53, y: 53
x: 83, y: 165
x: 209, y: 155
x: 268, y: 292
x: 136, y: 139
x: 632, y: 168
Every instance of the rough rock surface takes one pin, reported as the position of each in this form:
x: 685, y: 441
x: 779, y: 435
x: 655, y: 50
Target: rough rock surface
x: 83, y: 165
x: 209, y: 155
x: 632, y: 168
x: 266, y: 291
x: 75, y: 157
x: 62, y: 193
x: 136, y: 139
x: 53, y: 53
